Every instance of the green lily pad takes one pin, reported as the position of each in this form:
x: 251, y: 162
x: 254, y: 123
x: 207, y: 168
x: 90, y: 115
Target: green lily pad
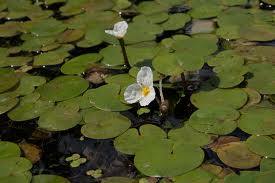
x: 104, y: 125
x: 47, y: 27
x: 9, y: 149
x: 157, y: 159
x: 7, y: 101
x: 234, y: 98
x: 197, y: 175
x: 237, y: 155
x: 133, y: 140
x: 267, y: 164
x: 260, y: 71
x: 30, y: 110
x: 253, y: 97
x: 262, y: 145
x: 123, y: 80
x: 226, y: 58
x: 118, y: 180
x: 258, y: 32
x: 187, y: 135
x: 216, y: 120
x: 10, y: 29
x: 106, y: 98
x: 15, y: 169
x: 175, y: 22
x: 168, y: 64
x: 79, y: 64
x: 63, y: 88
x: 44, y: 178
x: 234, y: 2
x: 35, y: 43
x: 206, y: 11
x: 112, y: 56
x: 150, y: 7
x: 62, y: 117
x: 8, y: 80
x: 52, y: 57
x: 28, y: 83
x: 258, y: 121
x: 15, y: 61
x: 71, y: 35
x: 245, y: 176
x: 267, y: 176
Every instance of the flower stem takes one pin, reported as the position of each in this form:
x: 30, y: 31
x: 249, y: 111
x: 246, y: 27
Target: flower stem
x: 160, y: 91
x: 122, y: 45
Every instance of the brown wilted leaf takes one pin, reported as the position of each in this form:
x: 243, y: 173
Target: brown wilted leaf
x: 31, y: 152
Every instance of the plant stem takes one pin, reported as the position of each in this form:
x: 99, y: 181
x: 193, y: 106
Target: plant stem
x: 160, y: 91
x: 122, y: 45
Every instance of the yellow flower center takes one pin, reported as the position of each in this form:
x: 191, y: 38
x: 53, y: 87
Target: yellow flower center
x: 145, y: 90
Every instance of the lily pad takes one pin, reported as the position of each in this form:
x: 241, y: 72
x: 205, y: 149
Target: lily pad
x: 237, y: 155
x: 187, y: 135
x: 44, y: 178
x: 262, y: 145
x: 123, y: 80
x: 267, y: 176
x: 79, y: 64
x: 245, y: 176
x: 71, y: 35
x: 175, y: 21
x: 15, y: 169
x: 62, y: 117
x: 197, y: 175
x: 63, y: 88
x: 118, y: 180
x: 162, y: 159
x: 106, y: 98
x: 104, y: 125
x: 253, y: 97
x: 134, y: 140
x: 8, y: 80
x: 258, y: 121
x: 9, y: 149
x: 28, y: 83
x: 234, y: 98
x: 7, y: 101
x: 216, y: 120
x: 267, y: 164
x: 30, y: 110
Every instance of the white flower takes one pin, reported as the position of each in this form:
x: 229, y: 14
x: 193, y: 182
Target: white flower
x: 119, y: 30
x: 142, y: 91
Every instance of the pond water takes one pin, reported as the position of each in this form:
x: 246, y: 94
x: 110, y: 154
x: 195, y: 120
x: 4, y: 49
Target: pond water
x: 182, y: 91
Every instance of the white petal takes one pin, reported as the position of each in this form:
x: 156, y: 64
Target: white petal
x: 132, y: 93
x: 121, y: 28
x: 145, y: 76
x: 146, y: 100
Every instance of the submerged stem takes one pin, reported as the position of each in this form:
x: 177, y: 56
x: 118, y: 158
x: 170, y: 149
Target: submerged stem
x: 160, y: 91
x: 125, y: 57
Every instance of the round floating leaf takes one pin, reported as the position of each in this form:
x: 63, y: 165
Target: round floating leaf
x: 60, y: 118
x: 258, y: 121
x: 262, y: 145
x: 51, y: 58
x: 234, y: 98
x: 258, y: 32
x: 79, y: 64
x: 175, y: 21
x: 133, y: 140
x: 162, y: 159
x: 168, y: 64
x: 112, y: 56
x: 44, y: 178
x: 226, y: 58
x: 14, y: 169
x: 123, y: 80
x: 265, y: 177
x: 34, y: 43
x: 199, y: 45
x: 216, y: 120
x: 267, y: 164
x: 234, y: 2
x: 197, y: 175
x: 104, y: 125
x: 253, y: 97
x: 9, y: 149
x: 187, y: 135
x: 70, y: 36
x: 106, y: 98
x: 7, y: 101
x: 260, y: 71
x: 31, y: 110
x: 10, y: 29
x: 14, y: 61
x: 63, y: 88
x: 28, y: 84
x: 148, y: 8
x: 8, y: 80
x: 206, y: 11
x: 118, y: 180
x: 228, y: 79
x: 245, y: 176
x: 47, y: 27
x: 237, y: 155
